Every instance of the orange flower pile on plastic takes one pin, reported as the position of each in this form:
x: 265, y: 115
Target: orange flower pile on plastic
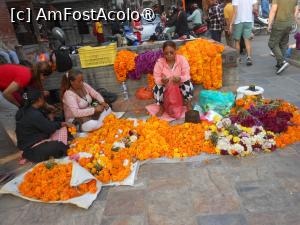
x: 53, y: 184
x: 159, y: 139
x: 105, y: 164
x: 292, y: 135
x: 156, y: 139
x: 205, y: 60
x: 124, y: 63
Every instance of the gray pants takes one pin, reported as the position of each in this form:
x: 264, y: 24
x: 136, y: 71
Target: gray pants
x: 279, y: 40
x: 7, y: 118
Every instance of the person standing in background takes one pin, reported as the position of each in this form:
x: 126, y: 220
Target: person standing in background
x: 98, y: 32
x: 282, y: 16
x: 265, y: 8
x: 242, y: 23
x: 182, y: 28
x: 228, y: 14
x: 216, y: 20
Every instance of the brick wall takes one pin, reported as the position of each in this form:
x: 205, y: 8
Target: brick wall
x: 7, y: 32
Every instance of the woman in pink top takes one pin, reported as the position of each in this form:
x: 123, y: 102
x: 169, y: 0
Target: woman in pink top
x: 172, y: 68
x: 77, y: 98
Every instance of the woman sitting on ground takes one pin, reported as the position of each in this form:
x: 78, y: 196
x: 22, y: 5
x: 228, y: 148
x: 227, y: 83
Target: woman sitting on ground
x: 172, y: 68
x: 81, y: 103
x: 38, y: 137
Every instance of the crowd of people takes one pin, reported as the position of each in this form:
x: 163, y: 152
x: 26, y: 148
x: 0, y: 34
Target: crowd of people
x: 39, y: 132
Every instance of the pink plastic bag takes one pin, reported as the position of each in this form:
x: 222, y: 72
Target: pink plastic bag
x: 173, y: 102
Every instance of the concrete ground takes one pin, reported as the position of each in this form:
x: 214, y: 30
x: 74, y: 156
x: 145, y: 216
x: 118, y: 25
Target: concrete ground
x: 257, y: 190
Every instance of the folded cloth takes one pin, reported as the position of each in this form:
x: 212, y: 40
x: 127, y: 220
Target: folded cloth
x: 153, y: 109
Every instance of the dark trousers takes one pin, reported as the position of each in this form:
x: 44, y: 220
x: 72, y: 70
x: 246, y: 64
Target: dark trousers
x: 216, y: 35
x: 44, y: 151
x: 279, y: 40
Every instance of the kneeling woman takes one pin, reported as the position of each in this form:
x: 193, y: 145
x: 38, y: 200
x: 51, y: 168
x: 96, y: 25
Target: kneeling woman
x: 81, y: 103
x: 172, y: 68
x: 38, y: 137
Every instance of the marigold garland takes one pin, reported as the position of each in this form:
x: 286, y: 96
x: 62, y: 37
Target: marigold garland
x: 124, y: 63
x: 205, y: 60
x: 151, y: 82
x: 204, y: 57
x: 106, y: 165
x: 53, y: 184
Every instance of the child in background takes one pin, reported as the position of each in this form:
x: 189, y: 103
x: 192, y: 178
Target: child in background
x: 98, y: 32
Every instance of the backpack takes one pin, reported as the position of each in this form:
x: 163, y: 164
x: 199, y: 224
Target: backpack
x: 63, y: 60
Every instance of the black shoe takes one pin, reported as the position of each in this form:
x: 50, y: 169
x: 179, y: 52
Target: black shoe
x: 277, y: 66
x: 282, y: 67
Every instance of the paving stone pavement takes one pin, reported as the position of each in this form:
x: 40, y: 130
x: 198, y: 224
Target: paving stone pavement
x: 257, y: 190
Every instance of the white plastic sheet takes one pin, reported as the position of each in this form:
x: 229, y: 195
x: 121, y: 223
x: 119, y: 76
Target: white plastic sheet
x: 79, y: 176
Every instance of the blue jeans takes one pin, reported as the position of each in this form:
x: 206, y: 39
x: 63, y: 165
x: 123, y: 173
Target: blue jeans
x: 10, y: 56
x: 265, y: 8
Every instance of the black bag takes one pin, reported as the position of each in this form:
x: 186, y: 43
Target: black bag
x: 109, y: 97
x: 63, y: 60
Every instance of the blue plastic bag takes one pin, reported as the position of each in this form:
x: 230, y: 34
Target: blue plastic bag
x: 220, y: 102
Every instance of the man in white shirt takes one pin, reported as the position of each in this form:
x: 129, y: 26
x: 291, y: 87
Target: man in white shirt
x: 242, y: 23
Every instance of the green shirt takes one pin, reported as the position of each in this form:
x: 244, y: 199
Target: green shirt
x: 285, y: 10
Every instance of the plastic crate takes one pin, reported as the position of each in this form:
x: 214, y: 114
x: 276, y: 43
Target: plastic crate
x: 97, y: 56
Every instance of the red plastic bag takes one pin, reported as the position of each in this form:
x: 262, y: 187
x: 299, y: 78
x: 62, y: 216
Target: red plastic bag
x: 173, y: 102
x: 144, y: 93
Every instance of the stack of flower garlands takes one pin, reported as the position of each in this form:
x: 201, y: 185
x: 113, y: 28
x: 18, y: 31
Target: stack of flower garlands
x: 156, y: 139
x: 204, y: 57
x: 256, y: 124
x: 51, y: 182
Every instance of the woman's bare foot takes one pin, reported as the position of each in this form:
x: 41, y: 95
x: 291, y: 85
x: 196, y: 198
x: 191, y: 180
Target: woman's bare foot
x: 160, y: 112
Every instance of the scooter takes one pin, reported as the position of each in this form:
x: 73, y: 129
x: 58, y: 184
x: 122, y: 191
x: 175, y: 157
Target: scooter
x: 198, y: 31
x: 260, y: 24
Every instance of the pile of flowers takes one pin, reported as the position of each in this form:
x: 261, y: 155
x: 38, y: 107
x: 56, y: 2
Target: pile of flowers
x: 151, y: 82
x: 277, y: 116
x: 124, y: 64
x: 204, y: 57
x: 106, y: 164
x: 51, y: 182
x: 118, y: 144
x: 254, y: 125
x: 205, y: 60
x: 234, y: 139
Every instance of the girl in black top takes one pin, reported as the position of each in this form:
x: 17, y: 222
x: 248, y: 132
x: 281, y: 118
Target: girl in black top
x: 38, y: 137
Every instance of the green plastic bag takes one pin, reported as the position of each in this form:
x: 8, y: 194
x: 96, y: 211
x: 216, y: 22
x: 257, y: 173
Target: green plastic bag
x: 220, y: 102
